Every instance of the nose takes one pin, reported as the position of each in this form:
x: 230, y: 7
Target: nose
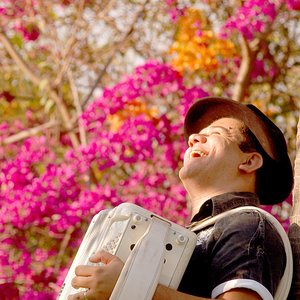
x: 197, y: 138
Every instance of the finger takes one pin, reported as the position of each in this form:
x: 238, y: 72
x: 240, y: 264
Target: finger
x: 81, y: 282
x: 102, y: 256
x: 84, y: 270
x: 79, y: 296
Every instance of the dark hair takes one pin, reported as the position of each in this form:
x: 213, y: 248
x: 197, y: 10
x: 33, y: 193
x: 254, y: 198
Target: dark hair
x: 251, y: 144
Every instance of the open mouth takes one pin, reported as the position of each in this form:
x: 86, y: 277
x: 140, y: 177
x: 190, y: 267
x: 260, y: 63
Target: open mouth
x: 197, y: 153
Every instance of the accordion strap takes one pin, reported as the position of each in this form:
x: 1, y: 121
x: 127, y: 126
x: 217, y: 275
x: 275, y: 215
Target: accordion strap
x: 286, y: 280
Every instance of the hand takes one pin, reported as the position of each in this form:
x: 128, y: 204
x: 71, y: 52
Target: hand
x: 99, y: 280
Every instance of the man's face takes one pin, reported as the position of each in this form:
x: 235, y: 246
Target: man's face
x: 214, y: 154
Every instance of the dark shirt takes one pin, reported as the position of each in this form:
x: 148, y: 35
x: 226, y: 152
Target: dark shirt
x: 242, y: 246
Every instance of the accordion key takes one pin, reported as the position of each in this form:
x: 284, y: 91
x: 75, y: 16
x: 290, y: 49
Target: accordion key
x: 120, y: 230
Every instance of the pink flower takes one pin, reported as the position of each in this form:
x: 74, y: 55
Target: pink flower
x: 293, y: 4
x: 30, y: 31
x: 252, y: 19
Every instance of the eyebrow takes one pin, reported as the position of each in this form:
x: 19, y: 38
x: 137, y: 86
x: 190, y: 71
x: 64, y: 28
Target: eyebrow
x: 218, y: 127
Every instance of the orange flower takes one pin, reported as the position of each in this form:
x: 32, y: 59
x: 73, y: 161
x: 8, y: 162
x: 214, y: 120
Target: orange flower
x: 132, y: 109
x: 196, y: 47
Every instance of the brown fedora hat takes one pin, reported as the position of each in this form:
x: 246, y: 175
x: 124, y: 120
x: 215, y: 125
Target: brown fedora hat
x: 276, y: 182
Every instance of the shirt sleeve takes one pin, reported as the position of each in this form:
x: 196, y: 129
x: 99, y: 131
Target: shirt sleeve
x: 242, y: 283
x: 245, y: 246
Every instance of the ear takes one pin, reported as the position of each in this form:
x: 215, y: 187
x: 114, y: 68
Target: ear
x: 253, y: 161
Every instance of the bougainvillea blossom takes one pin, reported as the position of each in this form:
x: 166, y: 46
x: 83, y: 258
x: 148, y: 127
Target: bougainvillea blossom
x: 252, y: 19
x: 132, y: 125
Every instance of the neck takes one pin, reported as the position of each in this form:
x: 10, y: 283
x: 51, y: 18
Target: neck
x: 199, y: 194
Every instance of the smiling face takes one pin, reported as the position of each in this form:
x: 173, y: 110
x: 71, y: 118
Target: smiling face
x: 214, y: 156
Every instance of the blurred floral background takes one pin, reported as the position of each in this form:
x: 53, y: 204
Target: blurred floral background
x: 92, y: 99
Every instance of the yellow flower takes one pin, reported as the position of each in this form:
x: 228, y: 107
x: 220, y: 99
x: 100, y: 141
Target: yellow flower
x: 196, y: 47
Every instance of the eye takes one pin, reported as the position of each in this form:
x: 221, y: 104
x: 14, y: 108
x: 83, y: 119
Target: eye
x: 215, y: 132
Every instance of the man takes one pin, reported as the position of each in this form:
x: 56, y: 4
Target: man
x: 236, y: 157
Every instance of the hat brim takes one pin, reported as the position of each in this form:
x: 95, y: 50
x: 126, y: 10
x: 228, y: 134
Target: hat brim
x: 209, y: 109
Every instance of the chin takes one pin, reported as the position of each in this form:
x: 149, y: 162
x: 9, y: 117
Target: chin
x: 180, y: 174
x: 185, y: 173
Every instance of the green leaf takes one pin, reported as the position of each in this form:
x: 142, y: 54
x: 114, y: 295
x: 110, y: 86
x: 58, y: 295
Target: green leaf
x: 17, y: 40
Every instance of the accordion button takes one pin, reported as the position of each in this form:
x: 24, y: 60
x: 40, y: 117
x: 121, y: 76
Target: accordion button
x: 180, y: 239
x: 137, y: 218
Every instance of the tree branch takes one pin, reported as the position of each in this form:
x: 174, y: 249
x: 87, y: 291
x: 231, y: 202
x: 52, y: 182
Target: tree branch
x: 29, y: 132
x: 42, y: 83
x: 77, y: 105
x: 249, y: 53
x: 25, y: 68
x: 116, y: 48
x: 295, y: 217
x: 66, y: 61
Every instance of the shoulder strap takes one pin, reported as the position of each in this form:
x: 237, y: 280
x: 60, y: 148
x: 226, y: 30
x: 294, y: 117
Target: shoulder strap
x: 286, y: 280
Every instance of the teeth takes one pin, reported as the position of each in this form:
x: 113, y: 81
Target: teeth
x: 198, y: 153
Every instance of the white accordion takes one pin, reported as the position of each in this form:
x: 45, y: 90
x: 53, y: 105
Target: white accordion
x: 154, y: 250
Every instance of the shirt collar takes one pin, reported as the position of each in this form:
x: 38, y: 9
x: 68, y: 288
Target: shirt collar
x: 225, y: 202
